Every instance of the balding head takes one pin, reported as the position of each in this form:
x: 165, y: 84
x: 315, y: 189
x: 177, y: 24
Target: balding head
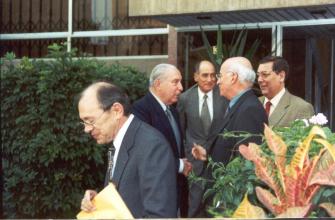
x: 105, y: 94
x: 103, y: 109
x: 242, y: 67
x: 236, y: 76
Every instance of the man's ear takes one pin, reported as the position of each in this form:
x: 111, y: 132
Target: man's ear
x: 196, y: 77
x: 234, y: 78
x: 157, y: 82
x: 117, y: 108
x: 282, y: 76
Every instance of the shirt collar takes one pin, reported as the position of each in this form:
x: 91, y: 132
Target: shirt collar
x: 275, y: 100
x: 236, y: 98
x: 201, y: 94
x: 120, y: 134
x: 159, y: 101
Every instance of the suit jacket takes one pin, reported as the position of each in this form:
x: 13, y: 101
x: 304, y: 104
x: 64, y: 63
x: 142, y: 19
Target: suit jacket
x: 289, y: 108
x: 188, y: 108
x: 150, y: 111
x: 144, y: 173
x: 248, y: 115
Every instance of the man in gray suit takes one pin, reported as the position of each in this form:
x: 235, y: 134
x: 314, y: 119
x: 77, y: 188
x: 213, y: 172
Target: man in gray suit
x: 144, y: 171
x: 281, y: 106
x: 201, y: 110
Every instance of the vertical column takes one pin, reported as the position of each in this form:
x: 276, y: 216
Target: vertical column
x: 308, y: 74
x: 331, y: 86
x: 277, y: 40
x: 69, y: 34
x: 186, y: 68
x: 172, y: 46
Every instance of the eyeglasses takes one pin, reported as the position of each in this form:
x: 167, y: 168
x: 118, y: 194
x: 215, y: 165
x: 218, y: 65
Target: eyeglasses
x: 91, y: 123
x: 264, y: 74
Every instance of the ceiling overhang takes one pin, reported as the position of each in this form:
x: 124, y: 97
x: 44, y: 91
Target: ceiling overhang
x: 183, y: 13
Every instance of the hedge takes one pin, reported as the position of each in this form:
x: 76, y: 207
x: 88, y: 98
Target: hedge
x: 48, y: 161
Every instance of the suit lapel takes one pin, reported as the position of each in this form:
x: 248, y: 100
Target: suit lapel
x: 194, y: 103
x: 194, y: 107
x: 157, y: 108
x: 123, y: 156
x: 280, y: 110
x: 218, y: 110
x: 164, y: 124
x: 234, y: 109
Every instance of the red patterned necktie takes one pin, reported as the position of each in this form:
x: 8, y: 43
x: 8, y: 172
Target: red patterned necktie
x: 267, y: 107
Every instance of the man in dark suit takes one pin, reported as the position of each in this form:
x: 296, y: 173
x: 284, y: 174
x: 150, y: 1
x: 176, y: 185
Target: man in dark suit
x: 281, y: 106
x: 201, y: 110
x: 144, y: 171
x: 156, y: 109
x: 245, y: 112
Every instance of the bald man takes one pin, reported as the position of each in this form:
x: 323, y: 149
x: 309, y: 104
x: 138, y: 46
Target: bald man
x: 201, y: 110
x: 144, y: 165
x: 245, y: 112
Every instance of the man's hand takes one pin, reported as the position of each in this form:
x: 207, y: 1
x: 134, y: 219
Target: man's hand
x: 187, y: 167
x: 86, y: 202
x: 199, y: 152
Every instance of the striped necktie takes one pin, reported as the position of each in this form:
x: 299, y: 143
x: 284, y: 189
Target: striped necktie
x: 110, y: 154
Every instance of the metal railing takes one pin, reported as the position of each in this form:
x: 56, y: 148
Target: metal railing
x: 30, y: 26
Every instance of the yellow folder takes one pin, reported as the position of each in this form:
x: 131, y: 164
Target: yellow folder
x: 109, y: 205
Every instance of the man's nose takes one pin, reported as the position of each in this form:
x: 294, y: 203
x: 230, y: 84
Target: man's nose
x: 260, y: 79
x: 88, y: 128
x: 180, y: 86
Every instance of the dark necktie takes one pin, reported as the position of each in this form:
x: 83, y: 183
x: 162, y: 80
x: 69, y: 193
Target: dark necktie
x: 205, y: 117
x: 110, y: 154
x: 174, y: 127
x: 227, y: 111
x: 267, y: 107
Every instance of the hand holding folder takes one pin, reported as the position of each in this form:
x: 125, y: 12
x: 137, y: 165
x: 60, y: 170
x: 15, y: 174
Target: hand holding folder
x: 109, y: 205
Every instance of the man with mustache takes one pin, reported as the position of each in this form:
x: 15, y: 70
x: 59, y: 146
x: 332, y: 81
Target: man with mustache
x: 281, y: 106
x: 201, y: 110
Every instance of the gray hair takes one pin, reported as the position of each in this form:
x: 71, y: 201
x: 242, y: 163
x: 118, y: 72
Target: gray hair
x: 159, y: 72
x: 245, y: 74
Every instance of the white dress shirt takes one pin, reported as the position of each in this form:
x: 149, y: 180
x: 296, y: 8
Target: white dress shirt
x: 274, y: 101
x: 119, y: 137
x: 209, y: 101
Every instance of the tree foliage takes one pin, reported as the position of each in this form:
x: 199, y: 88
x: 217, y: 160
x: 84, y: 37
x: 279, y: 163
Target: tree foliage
x: 48, y: 161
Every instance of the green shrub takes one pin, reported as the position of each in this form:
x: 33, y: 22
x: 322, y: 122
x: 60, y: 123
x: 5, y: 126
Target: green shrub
x: 48, y: 161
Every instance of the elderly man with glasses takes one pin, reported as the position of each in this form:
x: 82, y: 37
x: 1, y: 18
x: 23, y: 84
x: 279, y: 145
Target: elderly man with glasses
x: 244, y: 113
x: 144, y: 165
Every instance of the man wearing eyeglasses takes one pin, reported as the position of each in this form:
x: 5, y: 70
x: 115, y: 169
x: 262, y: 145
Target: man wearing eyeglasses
x: 281, y: 106
x: 244, y: 114
x: 201, y: 110
x: 143, y: 166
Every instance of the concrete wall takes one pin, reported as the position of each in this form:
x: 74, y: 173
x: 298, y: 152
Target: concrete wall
x: 143, y: 65
x: 165, y: 7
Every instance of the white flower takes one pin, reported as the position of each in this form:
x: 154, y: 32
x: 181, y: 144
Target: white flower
x: 319, y: 119
x: 306, y: 122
